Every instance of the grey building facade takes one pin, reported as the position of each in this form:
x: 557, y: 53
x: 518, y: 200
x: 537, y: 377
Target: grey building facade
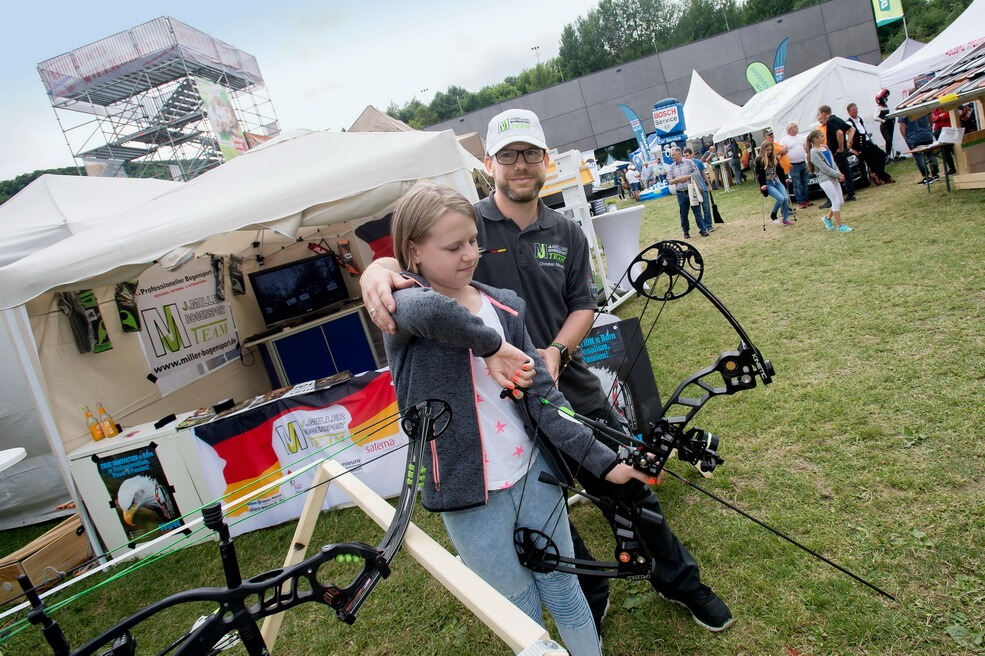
x: 583, y: 113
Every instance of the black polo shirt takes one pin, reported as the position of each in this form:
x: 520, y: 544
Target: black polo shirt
x: 832, y: 126
x: 547, y: 264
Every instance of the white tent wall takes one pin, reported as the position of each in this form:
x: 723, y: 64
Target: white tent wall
x: 704, y: 109
x: 31, y: 489
x: 836, y: 82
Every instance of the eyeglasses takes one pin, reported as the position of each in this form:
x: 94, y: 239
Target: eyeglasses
x: 508, y: 156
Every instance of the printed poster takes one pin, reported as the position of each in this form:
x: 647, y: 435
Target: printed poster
x: 187, y: 331
x: 140, y: 492
x: 353, y: 422
x: 615, y: 354
x: 222, y: 118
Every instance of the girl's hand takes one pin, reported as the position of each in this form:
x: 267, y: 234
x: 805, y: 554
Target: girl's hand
x: 841, y: 178
x: 623, y: 473
x: 511, y: 368
x: 762, y: 187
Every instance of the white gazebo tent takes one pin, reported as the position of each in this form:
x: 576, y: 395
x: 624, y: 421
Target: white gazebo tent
x: 906, y: 49
x: 288, y: 185
x: 956, y: 40
x: 704, y: 110
x: 835, y: 82
x: 48, y: 210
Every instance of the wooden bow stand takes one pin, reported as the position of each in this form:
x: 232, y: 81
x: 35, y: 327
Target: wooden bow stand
x: 524, y: 636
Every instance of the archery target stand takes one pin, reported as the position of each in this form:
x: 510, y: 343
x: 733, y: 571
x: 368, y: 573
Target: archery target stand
x: 524, y: 636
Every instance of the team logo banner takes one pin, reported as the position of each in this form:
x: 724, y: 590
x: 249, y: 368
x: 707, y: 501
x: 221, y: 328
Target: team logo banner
x: 187, y: 332
x: 354, y: 422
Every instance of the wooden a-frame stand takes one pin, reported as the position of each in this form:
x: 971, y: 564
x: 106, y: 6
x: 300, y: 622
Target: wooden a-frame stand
x: 524, y: 636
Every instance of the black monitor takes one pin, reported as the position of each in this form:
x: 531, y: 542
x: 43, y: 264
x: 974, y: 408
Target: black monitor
x: 288, y: 292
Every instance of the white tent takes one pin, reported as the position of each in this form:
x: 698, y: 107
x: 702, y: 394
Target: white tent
x: 48, y: 210
x: 956, y: 40
x: 704, y: 110
x: 906, y: 49
x: 289, y: 184
x: 54, y: 207
x: 314, y: 179
x: 835, y: 82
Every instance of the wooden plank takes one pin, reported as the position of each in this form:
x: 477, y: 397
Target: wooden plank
x: 512, y: 625
x: 299, y: 546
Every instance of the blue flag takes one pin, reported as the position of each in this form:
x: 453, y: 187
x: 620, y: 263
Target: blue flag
x: 780, y: 60
x: 637, y: 125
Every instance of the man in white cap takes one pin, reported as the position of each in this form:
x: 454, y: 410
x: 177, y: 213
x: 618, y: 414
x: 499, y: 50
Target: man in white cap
x: 543, y: 256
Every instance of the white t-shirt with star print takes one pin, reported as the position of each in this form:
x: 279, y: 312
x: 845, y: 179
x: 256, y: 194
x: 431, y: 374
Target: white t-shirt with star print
x: 506, y: 447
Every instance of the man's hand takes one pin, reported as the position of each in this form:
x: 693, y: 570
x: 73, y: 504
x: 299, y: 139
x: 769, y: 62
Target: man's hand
x: 623, y: 473
x: 511, y: 368
x: 377, y: 284
x: 553, y: 359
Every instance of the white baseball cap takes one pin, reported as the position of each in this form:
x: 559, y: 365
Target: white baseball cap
x: 512, y: 126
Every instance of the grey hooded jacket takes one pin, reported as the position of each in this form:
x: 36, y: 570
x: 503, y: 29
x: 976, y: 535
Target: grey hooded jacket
x: 430, y: 359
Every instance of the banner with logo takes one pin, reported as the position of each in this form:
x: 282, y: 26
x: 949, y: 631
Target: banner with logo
x: 759, y: 76
x: 222, y: 118
x: 887, y: 11
x: 187, y: 332
x: 354, y: 422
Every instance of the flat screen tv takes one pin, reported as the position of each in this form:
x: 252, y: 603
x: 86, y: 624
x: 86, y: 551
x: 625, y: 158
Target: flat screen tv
x: 288, y: 292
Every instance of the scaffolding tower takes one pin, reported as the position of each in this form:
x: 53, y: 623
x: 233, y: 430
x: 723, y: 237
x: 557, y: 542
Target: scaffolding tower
x: 163, y: 97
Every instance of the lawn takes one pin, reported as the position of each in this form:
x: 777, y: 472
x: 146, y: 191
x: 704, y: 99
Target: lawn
x: 867, y: 447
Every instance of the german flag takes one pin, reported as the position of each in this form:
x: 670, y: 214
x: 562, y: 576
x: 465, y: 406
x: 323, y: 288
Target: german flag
x: 245, y: 440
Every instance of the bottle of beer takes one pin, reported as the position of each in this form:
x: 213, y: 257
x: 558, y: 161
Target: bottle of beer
x: 106, y: 422
x: 94, y: 429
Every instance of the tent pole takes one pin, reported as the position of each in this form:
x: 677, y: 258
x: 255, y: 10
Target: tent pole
x: 19, y: 327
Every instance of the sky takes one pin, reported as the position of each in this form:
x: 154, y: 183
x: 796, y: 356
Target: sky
x: 322, y: 62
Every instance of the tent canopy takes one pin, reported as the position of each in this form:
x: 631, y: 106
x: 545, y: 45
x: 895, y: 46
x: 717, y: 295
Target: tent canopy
x: 373, y: 120
x: 704, y: 110
x: 54, y: 207
x: 835, y: 82
x: 955, y: 41
x: 315, y: 179
x: 907, y: 48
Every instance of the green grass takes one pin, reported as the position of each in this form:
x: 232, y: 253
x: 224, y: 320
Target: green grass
x: 867, y: 447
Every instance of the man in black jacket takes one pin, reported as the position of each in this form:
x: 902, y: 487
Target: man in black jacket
x: 840, y: 136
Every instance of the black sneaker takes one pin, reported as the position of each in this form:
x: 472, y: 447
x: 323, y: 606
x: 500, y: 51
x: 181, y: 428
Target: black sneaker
x: 687, y: 235
x: 935, y: 178
x: 825, y: 205
x: 924, y: 181
x: 706, y: 608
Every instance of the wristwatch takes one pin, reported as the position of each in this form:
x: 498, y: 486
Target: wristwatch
x: 565, y: 353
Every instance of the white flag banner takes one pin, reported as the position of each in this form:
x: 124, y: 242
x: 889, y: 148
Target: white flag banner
x: 187, y: 333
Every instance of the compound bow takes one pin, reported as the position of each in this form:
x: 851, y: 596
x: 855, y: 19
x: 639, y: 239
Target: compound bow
x: 664, y: 271
x: 275, y: 591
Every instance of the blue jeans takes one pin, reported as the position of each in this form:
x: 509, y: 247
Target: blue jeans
x: 800, y: 177
x: 705, y: 225
x: 777, y: 191
x: 483, y: 537
x: 684, y: 203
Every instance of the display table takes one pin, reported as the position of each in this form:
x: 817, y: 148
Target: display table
x: 341, y: 341
x: 932, y: 152
x: 137, y: 483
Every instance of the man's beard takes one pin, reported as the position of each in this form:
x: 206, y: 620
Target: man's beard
x: 503, y: 186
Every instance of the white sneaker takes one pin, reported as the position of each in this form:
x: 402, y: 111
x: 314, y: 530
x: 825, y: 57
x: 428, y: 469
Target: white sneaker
x: 777, y: 221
